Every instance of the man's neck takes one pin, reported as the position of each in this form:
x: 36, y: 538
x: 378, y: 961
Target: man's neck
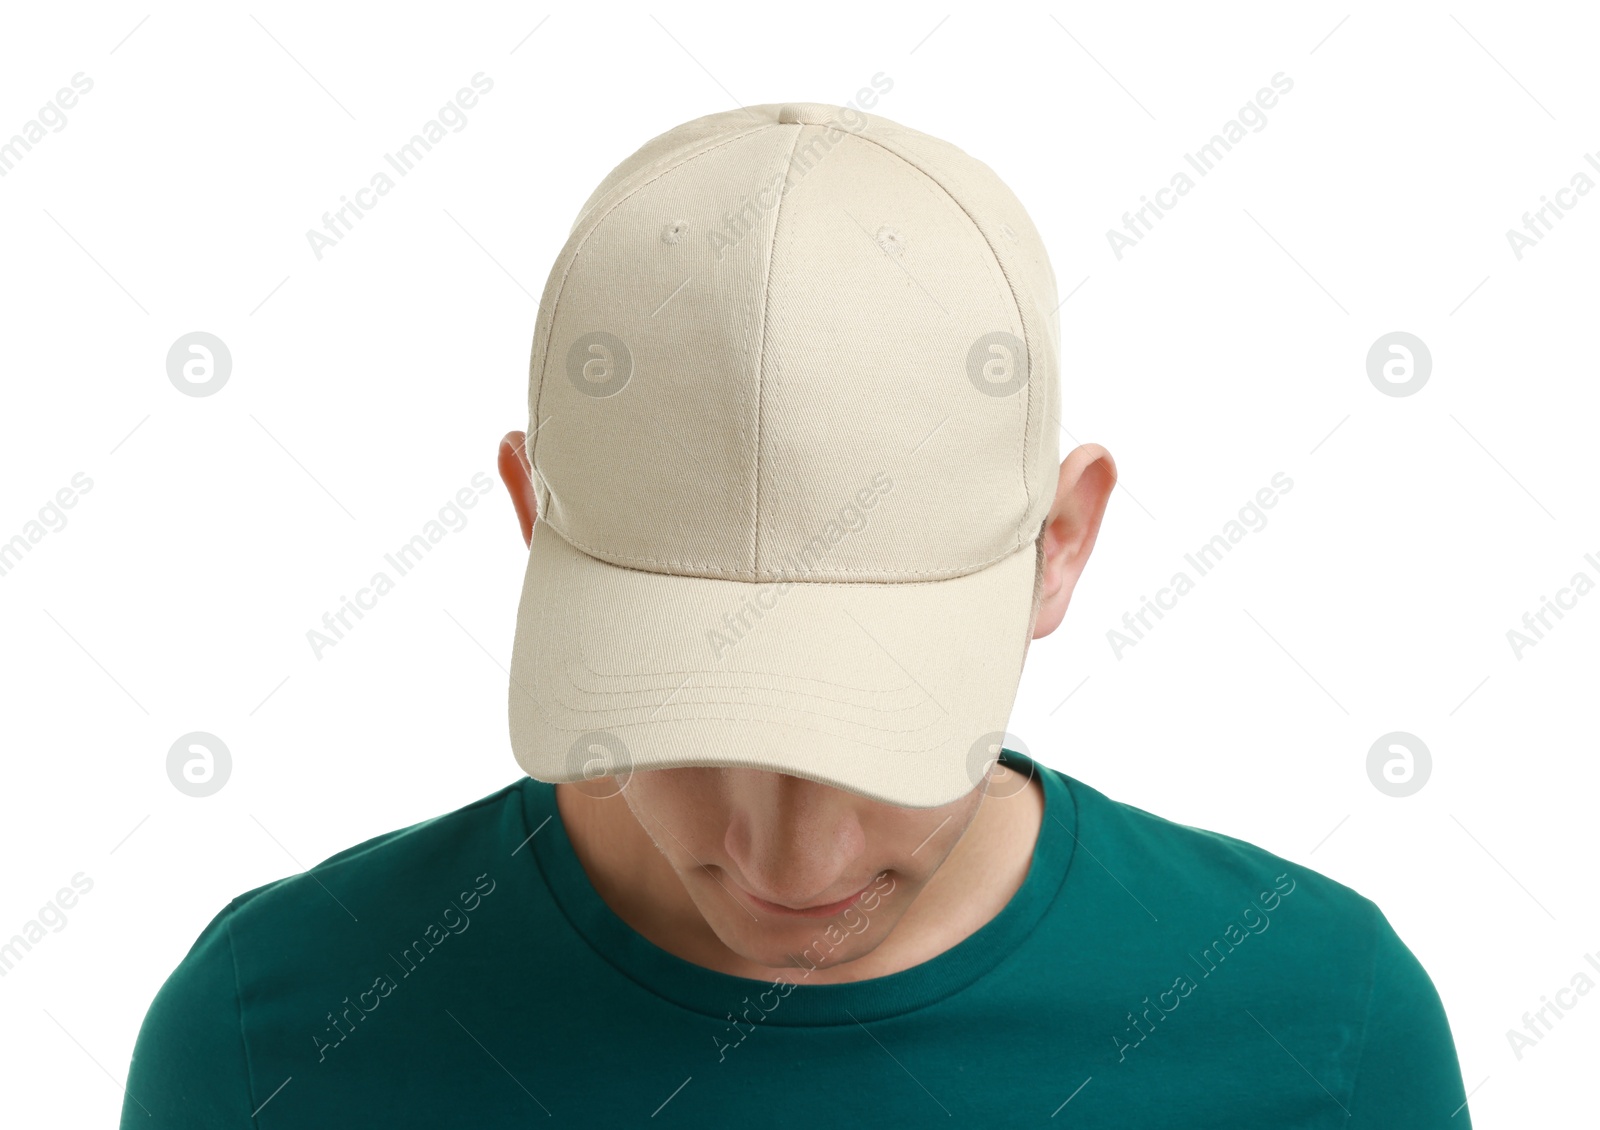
x: 980, y: 876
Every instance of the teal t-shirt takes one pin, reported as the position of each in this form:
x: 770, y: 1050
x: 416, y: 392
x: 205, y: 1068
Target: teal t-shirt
x: 464, y: 972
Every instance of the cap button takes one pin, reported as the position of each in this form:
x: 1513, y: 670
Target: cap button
x: 806, y: 114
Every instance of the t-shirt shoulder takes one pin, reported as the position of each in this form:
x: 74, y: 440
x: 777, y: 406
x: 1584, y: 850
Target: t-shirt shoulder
x: 386, y: 853
x: 308, y: 939
x: 1210, y: 885
x: 412, y: 850
x: 1200, y: 897
x: 1193, y: 866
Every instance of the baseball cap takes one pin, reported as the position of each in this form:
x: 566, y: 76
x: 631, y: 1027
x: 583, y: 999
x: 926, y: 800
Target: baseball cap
x: 793, y: 403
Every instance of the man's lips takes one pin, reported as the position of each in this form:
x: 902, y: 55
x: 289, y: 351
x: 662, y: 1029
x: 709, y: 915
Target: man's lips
x: 827, y: 910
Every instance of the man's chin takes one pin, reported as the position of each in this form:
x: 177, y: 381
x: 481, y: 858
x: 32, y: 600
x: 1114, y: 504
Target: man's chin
x: 800, y: 950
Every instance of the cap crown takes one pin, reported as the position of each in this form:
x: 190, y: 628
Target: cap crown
x: 797, y: 342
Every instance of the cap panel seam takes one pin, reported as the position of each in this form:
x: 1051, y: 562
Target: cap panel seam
x: 761, y: 355
x: 1016, y: 304
x: 543, y: 360
x: 931, y: 576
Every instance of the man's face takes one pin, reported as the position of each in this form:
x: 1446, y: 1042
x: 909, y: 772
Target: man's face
x: 741, y: 840
x: 748, y: 843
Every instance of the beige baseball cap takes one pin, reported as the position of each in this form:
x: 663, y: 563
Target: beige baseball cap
x: 793, y: 405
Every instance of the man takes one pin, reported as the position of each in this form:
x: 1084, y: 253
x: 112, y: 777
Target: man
x: 794, y: 512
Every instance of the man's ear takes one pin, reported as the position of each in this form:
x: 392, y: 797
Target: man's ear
x: 1082, y: 491
x: 516, y: 473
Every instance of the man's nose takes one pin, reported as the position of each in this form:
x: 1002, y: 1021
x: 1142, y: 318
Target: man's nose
x: 797, y: 842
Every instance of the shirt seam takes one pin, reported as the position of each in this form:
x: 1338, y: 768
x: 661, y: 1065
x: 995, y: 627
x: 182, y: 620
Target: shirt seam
x: 1366, y: 1012
x: 572, y: 923
x: 238, y: 1010
x: 1072, y: 854
x: 1044, y: 913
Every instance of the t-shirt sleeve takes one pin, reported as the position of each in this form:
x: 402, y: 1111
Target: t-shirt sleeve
x: 1408, y: 1074
x: 189, y: 1064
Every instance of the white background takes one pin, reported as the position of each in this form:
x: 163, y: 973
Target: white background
x: 370, y: 386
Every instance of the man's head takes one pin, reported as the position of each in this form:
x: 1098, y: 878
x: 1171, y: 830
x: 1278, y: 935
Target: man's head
x: 738, y: 839
x: 792, y: 476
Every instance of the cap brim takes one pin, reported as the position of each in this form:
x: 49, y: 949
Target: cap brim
x: 898, y: 692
